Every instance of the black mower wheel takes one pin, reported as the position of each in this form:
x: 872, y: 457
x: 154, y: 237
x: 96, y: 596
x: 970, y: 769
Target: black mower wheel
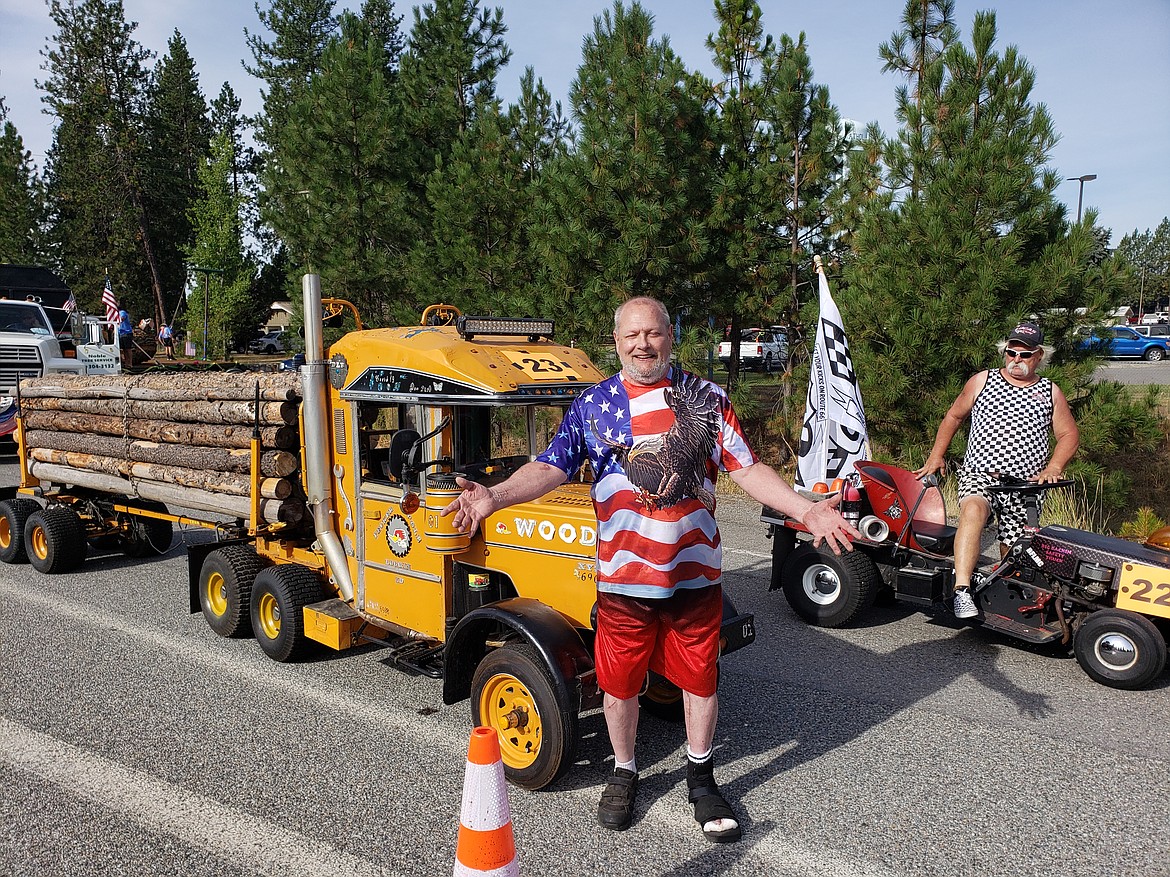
x: 1120, y: 649
x: 54, y: 540
x: 225, y: 588
x: 14, y: 515
x: 826, y: 589
x: 513, y: 693
x: 279, y: 595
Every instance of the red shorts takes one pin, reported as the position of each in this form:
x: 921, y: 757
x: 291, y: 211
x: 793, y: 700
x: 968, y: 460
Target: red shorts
x: 677, y: 637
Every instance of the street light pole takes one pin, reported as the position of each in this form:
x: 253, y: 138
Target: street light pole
x: 1084, y: 178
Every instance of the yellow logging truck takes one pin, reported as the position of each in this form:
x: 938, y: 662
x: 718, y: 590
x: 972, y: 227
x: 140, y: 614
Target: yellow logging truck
x: 350, y: 548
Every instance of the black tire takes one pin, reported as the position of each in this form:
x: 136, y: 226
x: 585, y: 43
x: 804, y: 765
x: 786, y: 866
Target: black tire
x: 767, y: 363
x: 225, y: 589
x: 512, y: 692
x: 147, y: 537
x: 279, y: 595
x: 663, y: 699
x: 829, y: 590
x: 1120, y: 649
x: 54, y: 540
x: 14, y: 515
x: 1154, y: 354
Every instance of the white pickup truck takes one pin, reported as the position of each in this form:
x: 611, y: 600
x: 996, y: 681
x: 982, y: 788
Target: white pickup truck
x: 765, y: 349
x: 29, y: 348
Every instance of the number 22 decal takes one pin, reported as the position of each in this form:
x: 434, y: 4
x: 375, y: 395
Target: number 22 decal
x: 1144, y: 588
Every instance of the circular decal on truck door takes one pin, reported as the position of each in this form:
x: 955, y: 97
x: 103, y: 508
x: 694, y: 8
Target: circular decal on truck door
x: 398, y: 535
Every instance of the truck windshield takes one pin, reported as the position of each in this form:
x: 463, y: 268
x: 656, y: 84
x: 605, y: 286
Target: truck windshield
x: 23, y: 318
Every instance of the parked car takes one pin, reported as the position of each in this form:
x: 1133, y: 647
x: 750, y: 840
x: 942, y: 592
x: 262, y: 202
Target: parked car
x: 269, y: 342
x: 1155, y: 317
x: 765, y: 349
x: 1156, y: 330
x: 1119, y: 341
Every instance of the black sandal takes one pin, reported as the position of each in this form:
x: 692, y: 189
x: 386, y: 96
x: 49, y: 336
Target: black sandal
x: 710, y: 806
x: 615, y: 811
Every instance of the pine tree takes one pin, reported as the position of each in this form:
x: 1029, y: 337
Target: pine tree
x: 98, y: 164
x: 625, y: 212
x: 478, y: 255
x: 448, y: 74
x: 21, y: 193
x: 1148, y: 255
x: 977, y: 242
x: 179, y: 133
x: 226, y: 119
x: 216, y: 245
x: 285, y: 64
x: 341, y: 175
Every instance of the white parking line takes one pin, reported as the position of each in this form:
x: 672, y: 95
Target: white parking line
x: 251, y: 843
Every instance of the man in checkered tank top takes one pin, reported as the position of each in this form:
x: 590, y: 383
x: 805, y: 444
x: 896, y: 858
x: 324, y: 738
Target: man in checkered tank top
x: 1012, y: 411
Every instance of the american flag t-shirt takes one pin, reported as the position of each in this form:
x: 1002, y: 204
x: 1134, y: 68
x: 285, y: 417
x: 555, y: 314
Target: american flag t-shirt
x: 656, y: 452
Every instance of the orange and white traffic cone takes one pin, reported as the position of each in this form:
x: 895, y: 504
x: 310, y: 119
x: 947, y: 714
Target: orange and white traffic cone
x: 486, y: 845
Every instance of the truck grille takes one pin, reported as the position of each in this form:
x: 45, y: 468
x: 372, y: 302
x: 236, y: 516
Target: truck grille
x: 17, y: 362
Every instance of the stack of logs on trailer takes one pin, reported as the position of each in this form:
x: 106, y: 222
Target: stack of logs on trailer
x: 178, y: 438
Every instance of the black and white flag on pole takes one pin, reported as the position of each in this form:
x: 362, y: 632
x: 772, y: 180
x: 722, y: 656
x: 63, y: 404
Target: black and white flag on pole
x: 834, y: 434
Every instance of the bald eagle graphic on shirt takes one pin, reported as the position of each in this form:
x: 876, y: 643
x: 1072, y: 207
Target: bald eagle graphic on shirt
x: 666, y: 469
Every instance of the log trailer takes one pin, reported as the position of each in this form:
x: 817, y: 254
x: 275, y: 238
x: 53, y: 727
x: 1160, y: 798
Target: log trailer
x: 332, y: 481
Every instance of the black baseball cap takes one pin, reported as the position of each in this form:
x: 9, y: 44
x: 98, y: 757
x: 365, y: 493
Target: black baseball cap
x: 1027, y: 333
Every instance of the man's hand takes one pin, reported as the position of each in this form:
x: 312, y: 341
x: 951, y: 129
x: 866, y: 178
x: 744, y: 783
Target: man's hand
x: 826, y: 525
x: 931, y: 466
x: 1049, y: 474
x: 470, y: 507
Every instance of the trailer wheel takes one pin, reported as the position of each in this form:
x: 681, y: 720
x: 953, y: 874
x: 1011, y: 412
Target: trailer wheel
x: 1120, y: 649
x: 147, y: 537
x: 14, y: 514
x: 54, y: 539
x: 279, y: 595
x: 225, y: 588
x: 826, y: 589
x: 513, y: 693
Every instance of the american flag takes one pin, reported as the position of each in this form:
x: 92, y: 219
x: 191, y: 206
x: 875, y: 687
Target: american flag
x: 645, y: 548
x: 110, y: 302
x: 70, y: 304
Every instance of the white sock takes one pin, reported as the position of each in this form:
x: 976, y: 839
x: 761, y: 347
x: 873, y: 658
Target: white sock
x: 631, y: 765
x: 699, y: 758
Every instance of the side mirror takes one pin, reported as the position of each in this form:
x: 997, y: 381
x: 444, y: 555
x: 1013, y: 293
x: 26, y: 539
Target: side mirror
x: 402, y: 443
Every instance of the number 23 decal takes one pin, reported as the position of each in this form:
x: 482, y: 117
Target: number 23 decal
x: 541, y: 365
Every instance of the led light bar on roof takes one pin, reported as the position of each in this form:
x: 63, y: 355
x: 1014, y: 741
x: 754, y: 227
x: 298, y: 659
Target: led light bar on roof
x: 533, y: 328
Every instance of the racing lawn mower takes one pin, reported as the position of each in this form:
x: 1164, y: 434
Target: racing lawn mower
x: 1108, y: 597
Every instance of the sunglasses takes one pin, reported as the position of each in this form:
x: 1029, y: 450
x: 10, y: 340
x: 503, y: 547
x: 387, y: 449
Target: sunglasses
x: 1020, y: 354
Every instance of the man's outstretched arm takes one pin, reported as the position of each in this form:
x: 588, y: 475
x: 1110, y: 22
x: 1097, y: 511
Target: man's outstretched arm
x: 477, y: 502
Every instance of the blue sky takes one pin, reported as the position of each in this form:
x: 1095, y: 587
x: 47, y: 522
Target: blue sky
x: 1103, y: 70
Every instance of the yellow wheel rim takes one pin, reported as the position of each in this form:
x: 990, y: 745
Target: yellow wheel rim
x: 5, y: 533
x: 216, y: 594
x: 665, y: 693
x: 506, y: 705
x: 40, y: 544
x: 269, y: 612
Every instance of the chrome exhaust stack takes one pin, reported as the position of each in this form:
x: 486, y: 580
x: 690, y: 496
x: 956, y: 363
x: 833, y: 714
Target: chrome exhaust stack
x: 314, y: 382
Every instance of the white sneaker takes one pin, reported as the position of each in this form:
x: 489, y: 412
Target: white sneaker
x: 964, y: 604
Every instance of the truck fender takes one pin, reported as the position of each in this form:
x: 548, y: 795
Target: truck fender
x: 196, y: 554
x: 555, y: 639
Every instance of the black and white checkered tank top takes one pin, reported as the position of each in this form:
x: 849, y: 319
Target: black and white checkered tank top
x: 1010, y: 427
